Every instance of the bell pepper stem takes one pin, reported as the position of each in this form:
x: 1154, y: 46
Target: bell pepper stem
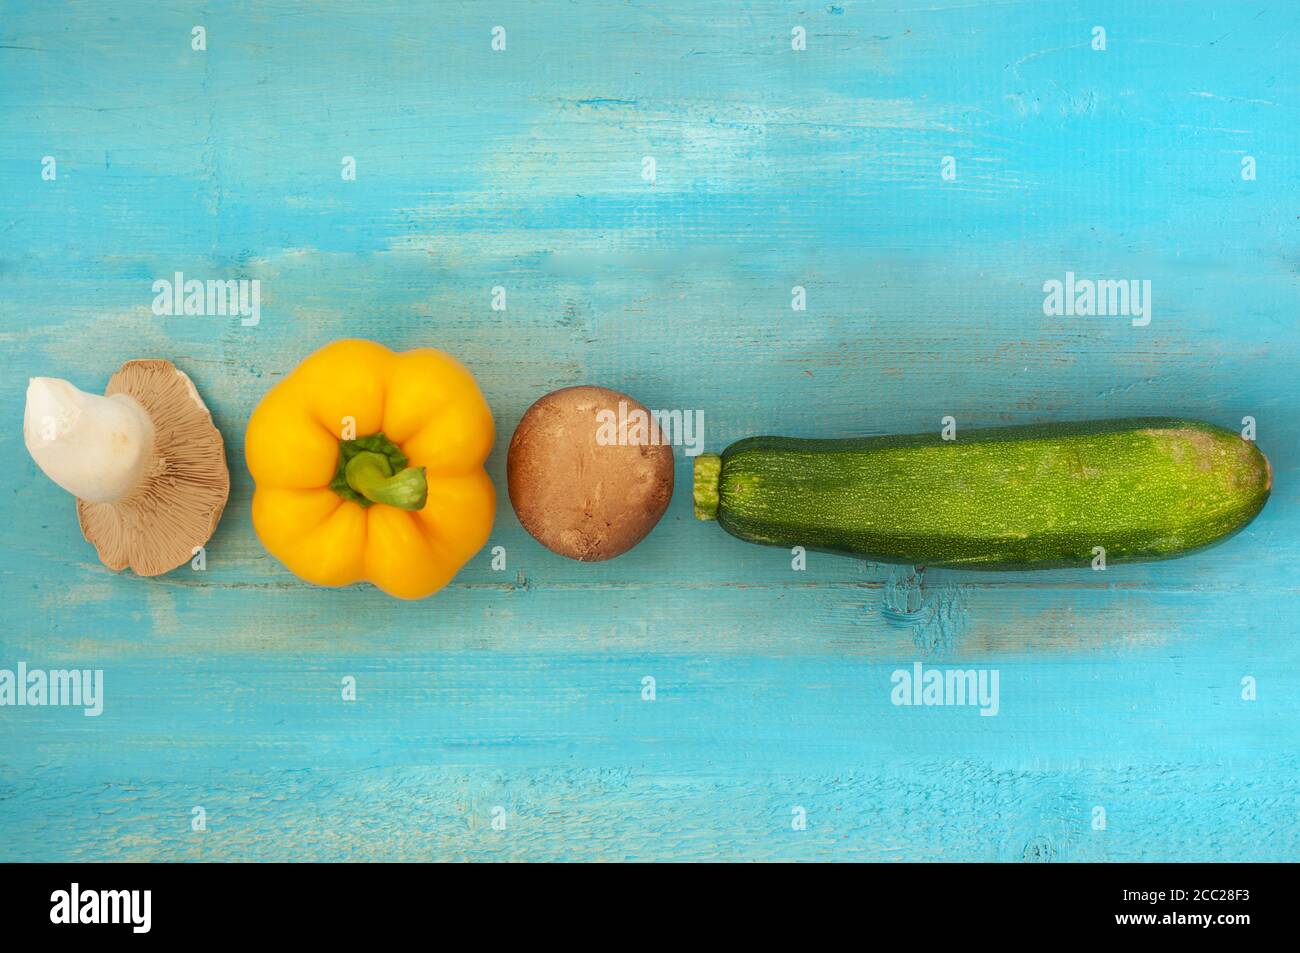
x: 371, y: 475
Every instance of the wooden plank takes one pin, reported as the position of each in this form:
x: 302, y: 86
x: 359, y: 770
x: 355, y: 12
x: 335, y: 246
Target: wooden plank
x: 773, y: 169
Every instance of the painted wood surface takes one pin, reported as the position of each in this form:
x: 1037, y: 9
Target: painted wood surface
x: 521, y: 690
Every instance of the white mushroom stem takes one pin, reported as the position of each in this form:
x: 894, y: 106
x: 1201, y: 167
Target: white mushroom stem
x: 96, y: 448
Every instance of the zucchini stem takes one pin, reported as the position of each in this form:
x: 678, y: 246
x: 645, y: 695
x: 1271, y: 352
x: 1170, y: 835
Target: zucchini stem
x: 708, y: 470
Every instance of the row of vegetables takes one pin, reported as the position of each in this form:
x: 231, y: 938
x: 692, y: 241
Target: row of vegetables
x: 368, y: 465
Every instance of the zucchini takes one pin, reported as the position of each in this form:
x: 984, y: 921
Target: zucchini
x: 1032, y: 497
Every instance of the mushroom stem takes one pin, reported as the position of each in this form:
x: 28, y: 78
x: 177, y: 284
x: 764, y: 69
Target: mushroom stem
x: 371, y: 475
x: 96, y: 448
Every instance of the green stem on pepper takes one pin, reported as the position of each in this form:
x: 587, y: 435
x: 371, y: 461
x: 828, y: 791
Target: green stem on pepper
x: 373, y: 470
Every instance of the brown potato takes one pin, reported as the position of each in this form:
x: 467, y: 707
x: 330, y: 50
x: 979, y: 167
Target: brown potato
x: 581, y: 497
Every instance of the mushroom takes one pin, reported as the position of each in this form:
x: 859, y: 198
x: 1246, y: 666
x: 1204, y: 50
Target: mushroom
x: 146, y: 463
x: 583, y: 482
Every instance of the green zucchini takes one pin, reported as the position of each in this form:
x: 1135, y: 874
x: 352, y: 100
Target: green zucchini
x: 1032, y: 497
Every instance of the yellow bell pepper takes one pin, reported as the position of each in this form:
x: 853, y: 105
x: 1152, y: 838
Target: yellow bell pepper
x: 368, y: 465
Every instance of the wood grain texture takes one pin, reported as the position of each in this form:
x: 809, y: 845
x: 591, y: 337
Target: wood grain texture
x: 522, y: 168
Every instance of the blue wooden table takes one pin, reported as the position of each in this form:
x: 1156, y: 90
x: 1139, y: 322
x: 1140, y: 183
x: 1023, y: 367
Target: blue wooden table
x: 649, y: 184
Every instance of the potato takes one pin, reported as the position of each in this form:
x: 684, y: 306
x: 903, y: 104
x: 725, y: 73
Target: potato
x: 579, y: 493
